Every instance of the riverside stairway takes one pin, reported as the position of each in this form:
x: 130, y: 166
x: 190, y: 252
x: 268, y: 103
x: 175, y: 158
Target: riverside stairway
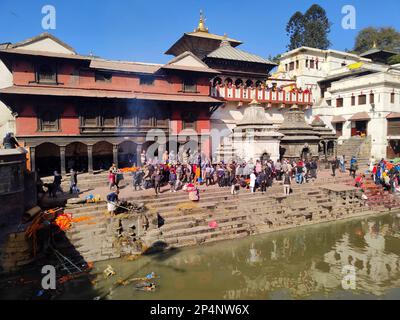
x: 187, y: 223
x: 356, y: 146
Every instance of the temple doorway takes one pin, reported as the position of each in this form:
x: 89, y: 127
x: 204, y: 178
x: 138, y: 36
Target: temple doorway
x: 127, y: 154
x: 47, y: 159
x: 102, y: 155
x: 359, y: 128
x: 76, y: 157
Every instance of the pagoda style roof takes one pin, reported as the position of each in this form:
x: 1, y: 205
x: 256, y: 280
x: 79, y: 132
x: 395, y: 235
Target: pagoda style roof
x: 227, y: 52
x: 378, y: 54
x: 187, y: 61
x: 200, y: 41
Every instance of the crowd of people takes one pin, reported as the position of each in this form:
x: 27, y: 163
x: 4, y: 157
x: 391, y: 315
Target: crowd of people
x: 386, y: 174
x: 256, y: 176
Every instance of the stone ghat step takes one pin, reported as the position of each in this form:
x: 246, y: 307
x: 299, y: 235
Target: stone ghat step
x: 203, y: 219
x: 183, y: 197
x: 202, y: 230
x: 178, y: 197
x: 210, y: 237
x: 205, y: 203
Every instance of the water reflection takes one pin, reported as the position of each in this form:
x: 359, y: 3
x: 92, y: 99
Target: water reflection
x: 300, y: 263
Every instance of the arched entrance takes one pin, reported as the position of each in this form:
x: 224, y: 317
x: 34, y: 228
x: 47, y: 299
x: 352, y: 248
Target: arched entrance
x: 330, y: 149
x: 76, y: 157
x: 151, y: 149
x: 47, y: 159
x: 127, y: 154
x: 102, y: 155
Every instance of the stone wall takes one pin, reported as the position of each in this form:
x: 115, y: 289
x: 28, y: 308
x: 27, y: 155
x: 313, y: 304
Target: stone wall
x: 12, y: 179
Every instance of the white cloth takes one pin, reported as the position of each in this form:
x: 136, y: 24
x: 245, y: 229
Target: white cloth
x: 252, y: 180
x: 111, y: 206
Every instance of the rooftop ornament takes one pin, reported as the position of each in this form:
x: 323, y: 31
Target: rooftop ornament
x: 201, y: 27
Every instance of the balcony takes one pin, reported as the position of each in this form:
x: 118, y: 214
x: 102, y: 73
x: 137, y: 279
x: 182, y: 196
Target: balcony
x: 262, y: 95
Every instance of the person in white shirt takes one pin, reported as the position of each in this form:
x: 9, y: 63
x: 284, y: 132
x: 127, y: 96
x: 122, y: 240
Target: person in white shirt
x: 252, y: 182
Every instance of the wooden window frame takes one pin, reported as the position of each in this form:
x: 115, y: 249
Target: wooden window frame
x: 364, y: 101
x: 40, y: 120
x: 189, y: 88
x: 103, y: 76
x: 146, y: 80
x: 53, y: 67
x: 339, y: 105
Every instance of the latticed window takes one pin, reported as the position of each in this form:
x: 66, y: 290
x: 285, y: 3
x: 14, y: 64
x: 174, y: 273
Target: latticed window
x: 189, y: 85
x: 109, y: 119
x: 394, y: 127
x: 353, y: 100
x: 189, y: 120
x: 90, y: 119
x: 101, y: 76
x: 46, y: 73
x: 49, y: 121
x: 129, y: 119
x: 362, y: 99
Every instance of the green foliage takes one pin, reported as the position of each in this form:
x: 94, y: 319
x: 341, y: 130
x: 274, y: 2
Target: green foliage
x: 295, y: 30
x: 394, y: 60
x: 384, y: 38
x: 310, y: 29
x: 275, y: 59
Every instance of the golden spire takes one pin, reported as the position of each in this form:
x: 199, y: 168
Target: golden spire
x: 375, y: 45
x: 201, y: 27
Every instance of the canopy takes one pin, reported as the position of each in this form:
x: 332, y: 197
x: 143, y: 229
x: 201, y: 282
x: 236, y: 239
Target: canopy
x: 360, y: 116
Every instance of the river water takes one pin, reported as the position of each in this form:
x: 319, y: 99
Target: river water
x: 302, y: 263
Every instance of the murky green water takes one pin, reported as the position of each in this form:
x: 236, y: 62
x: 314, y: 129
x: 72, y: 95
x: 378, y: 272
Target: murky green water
x: 304, y: 263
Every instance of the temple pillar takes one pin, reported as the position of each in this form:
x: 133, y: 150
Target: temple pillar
x: 62, y: 160
x: 115, y: 154
x: 326, y: 149
x: 90, y: 159
x: 138, y: 155
x: 32, y: 155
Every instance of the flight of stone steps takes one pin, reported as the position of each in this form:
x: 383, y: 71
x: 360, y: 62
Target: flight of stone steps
x: 356, y: 146
x: 89, y: 181
x: 187, y: 223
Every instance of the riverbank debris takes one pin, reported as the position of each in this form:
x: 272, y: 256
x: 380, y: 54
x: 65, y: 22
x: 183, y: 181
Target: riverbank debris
x: 146, y: 286
x: 109, y: 272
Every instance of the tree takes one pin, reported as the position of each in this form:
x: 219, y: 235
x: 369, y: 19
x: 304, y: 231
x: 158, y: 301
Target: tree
x: 310, y: 29
x: 383, y: 38
x: 316, y: 28
x: 295, y: 30
x: 394, y: 60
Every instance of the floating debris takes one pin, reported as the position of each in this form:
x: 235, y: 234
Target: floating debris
x: 109, y: 271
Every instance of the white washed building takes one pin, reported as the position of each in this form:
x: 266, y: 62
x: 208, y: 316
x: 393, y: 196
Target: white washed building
x: 358, y: 96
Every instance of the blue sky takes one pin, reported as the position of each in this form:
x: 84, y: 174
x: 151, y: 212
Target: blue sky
x: 141, y: 30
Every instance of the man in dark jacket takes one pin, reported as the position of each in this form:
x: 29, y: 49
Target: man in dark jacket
x: 156, y: 177
x: 73, y: 181
x: 9, y: 141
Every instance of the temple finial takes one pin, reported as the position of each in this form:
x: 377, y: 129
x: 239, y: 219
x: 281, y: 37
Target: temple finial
x: 201, y: 27
x: 375, y: 45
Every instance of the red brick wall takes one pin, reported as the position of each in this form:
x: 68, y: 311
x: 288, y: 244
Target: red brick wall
x: 71, y: 75
x: 27, y: 123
